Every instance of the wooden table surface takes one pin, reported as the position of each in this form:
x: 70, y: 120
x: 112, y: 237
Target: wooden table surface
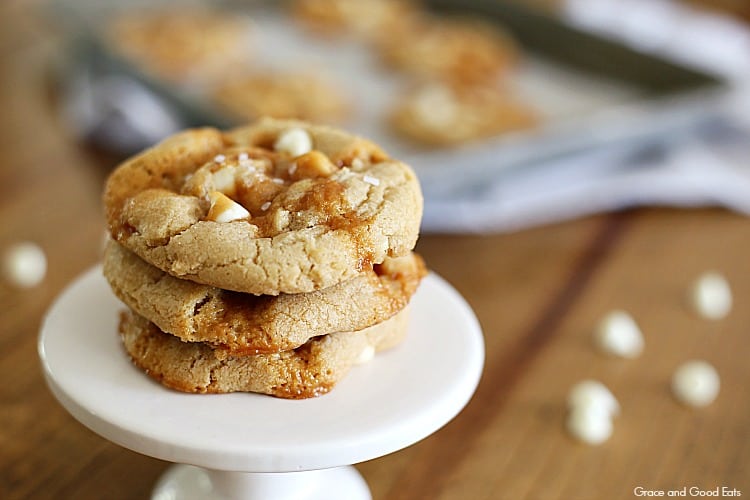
x: 537, y: 293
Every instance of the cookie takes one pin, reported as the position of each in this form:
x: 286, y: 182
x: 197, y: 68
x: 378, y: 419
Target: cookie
x: 308, y: 371
x: 452, y: 50
x: 181, y: 44
x: 366, y: 19
x: 446, y: 115
x: 248, y: 324
x: 303, y: 96
x: 274, y: 207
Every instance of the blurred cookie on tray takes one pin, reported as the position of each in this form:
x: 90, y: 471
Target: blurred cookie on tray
x: 451, y: 74
x: 367, y: 19
x: 459, y: 50
x: 306, y: 96
x: 181, y: 46
x: 441, y: 114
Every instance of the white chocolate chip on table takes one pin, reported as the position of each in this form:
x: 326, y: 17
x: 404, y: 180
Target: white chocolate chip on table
x: 711, y: 296
x: 24, y: 264
x: 588, y: 425
x: 618, y: 334
x: 696, y: 383
x: 591, y: 408
x: 594, y: 394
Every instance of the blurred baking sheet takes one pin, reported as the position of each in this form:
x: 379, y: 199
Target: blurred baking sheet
x: 589, y: 92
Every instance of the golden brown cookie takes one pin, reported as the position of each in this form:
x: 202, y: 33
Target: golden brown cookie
x: 453, y: 50
x: 281, y: 95
x: 250, y: 324
x: 444, y: 115
x: 274, y: 207
x: 179, y: 44
x: 308, y: 371
x: 368, y: 19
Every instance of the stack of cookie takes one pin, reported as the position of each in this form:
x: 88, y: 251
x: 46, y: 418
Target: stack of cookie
x: 270, y: 258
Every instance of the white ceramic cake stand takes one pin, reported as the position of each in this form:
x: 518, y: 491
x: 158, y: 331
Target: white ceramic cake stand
x: 254, y: 446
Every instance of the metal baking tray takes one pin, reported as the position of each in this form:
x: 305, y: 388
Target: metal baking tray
x: 591, y: 92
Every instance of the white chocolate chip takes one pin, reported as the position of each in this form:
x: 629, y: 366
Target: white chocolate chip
x: 695, y: 383
x: 281, y: 219
x: 224, y: 180
x: 224, y: 209
x: 265, y: 206
x: 295, y: 141
x: 618, y: 334
x: 589, y: 424
x: 24, y: 264
x: 711, y: 296
x: 593, y: 394
x: 220, y: 158
x: 365, y: 356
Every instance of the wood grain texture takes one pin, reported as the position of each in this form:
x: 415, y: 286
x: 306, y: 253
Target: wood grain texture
x: 537, y: 293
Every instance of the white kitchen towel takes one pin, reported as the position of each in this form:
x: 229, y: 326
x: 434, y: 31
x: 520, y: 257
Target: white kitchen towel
x: 696, y: 170
x: 708, y: 167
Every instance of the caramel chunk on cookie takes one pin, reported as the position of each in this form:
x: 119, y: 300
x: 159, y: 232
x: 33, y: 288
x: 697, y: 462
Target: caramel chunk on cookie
x: 308, y: 371
x: 310, y: 220
x: 245, y: 324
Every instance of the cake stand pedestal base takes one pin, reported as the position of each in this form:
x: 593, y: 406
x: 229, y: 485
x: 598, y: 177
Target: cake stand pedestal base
x: 187, y: 482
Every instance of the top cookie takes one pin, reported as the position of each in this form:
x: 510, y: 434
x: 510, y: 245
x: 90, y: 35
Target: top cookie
x: 279, y: 206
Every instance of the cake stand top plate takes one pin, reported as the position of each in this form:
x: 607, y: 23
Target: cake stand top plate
x: 399, y: 398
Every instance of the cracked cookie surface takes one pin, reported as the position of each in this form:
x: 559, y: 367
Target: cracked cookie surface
x: 301, y: 218
x: 244, y: 324
x: 308, y: 371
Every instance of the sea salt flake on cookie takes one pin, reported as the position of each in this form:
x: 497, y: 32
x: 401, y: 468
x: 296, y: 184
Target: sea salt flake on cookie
x: 371, y: 180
